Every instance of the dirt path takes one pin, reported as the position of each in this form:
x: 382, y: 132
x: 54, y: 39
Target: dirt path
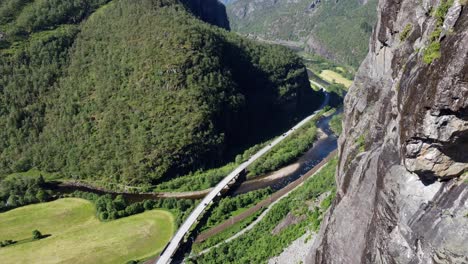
x: 270, y: 202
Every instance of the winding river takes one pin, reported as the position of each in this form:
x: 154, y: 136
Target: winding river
x: 320, y: 149
x: 326, y: 143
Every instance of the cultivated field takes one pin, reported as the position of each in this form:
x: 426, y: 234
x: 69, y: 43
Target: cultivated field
x: 77, y: 236
x: 331, y: 76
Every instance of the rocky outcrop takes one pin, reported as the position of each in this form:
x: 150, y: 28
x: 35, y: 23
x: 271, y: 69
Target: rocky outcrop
x: 315, y: 46
x: 314, y: 4
x: 210, y: 11
x: 402, y: 189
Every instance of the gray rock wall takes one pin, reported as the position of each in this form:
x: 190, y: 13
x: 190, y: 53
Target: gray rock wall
x: 402, y: 177
x: 210, y: 11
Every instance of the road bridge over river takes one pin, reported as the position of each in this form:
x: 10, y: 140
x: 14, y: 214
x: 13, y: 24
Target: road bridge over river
x: 168, y: 253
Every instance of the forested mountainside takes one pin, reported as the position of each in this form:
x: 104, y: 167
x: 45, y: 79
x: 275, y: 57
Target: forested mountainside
x: 339, y: 30
x: 134, y: 90
x: 402, y: 177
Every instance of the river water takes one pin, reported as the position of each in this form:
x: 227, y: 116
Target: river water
x: 312, y: 157
x: 320, y: 149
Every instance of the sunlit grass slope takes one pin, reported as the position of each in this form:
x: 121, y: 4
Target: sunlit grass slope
x: 77, y: 236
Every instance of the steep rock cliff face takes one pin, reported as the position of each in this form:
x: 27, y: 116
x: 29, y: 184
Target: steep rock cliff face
x: 210, y: 11
x: 402, y: 177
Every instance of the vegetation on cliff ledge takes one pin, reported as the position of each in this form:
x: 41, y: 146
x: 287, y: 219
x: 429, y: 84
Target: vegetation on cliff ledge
x: 432, y: 51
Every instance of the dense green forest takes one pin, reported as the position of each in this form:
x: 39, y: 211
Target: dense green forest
x: 16, y: 191
x: 287, y: 151
x: 135, y: 91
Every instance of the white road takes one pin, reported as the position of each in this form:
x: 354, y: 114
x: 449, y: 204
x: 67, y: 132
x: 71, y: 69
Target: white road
x: 317, y: 84
x: 176, y: 240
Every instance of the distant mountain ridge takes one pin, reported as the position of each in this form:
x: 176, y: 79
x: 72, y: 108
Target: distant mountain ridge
x: 338, y: 30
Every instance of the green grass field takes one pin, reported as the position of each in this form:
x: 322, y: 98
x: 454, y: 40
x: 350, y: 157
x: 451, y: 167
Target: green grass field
x: 77, y: 236
x: 331, y: 76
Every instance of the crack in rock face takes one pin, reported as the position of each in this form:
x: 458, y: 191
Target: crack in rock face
x: 402, y: 197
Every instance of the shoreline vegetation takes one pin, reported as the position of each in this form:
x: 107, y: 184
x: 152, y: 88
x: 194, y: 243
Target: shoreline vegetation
x: 205, y: 238
x: 36, y: 188
x: 283, y: 154
x: 307, y: 204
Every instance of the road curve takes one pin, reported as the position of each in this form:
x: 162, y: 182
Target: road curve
x: 173, y: 245
x: 317, y: 84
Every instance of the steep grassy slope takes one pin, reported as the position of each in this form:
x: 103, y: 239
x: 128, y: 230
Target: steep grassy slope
x: 138, y: 91
x: 337, y: 29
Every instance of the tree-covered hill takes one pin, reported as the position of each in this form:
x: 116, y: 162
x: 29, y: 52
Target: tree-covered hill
x: 134, y: 90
